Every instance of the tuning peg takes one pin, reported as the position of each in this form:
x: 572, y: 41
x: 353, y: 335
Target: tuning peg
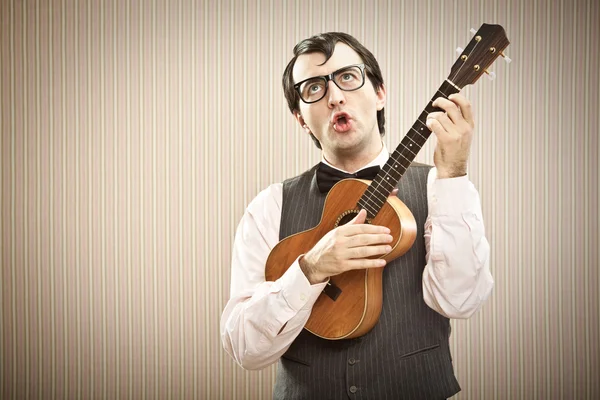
x: 459, y: 50
x: 473, y: 31
x: 491, y: 75
x: 506, y: 58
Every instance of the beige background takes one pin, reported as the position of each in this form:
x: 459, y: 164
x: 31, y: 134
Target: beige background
x: 135, y: 133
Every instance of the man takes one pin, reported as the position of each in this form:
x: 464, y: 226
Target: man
x: 335, y: 91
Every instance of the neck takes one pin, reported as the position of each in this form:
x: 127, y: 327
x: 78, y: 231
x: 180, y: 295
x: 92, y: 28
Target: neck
x: 353, y: 162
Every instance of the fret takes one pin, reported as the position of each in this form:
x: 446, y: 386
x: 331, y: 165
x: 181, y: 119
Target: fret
x: 400, y: 162
x: 387, y: 182
x: 371, y: 209
x: 413, y: 140
x: 408, y: 148
x: 381, y: 186
x: 376, y: 190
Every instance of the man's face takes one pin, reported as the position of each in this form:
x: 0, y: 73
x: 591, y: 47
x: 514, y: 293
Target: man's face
x: 344, y: 122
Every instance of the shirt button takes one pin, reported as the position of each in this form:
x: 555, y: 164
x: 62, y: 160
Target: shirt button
x: 352, y: 361
x: 302, y: 297
x: 353, y: 389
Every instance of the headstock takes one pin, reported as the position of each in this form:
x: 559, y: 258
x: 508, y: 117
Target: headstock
x: 487, y: 44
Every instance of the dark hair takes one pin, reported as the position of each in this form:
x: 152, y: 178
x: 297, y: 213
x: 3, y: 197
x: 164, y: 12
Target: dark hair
x: 325, y: 43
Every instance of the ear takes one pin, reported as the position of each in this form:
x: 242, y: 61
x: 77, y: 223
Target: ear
x: 301, y: 122
x: 381, y: 96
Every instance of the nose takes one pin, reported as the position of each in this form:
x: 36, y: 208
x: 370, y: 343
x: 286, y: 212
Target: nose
x: 336, y: 95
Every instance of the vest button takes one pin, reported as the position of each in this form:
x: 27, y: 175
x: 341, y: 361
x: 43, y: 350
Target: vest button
x: 353, y: 389
x: 352, y: 361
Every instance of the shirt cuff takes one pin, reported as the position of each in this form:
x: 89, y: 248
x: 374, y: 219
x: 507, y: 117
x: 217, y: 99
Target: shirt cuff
x: 297, y: 290
x: 452, y: 196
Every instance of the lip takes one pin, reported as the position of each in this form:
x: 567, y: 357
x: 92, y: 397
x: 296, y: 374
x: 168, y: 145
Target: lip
x: 338, y: 115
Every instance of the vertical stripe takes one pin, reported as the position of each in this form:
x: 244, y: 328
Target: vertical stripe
x: 547, y: 332
x: 90, y: 178
x: 157, y: 361
x: 167, y: 195
x: 560, y: 207
x: 207, y: 211
x: 64, y: 254
x: 52, y: 264
x: 182, y: 343
x: 77, y: 208
x: 572, y: 178
x: 128, y: 212
x: 533, y: 221
x: 586, y: 197
x: 142, y: 207
x: 102, y: 182
x: 3, y: 240
x: 194, y: 201
x: 244, y: 105
x: 38, y: 216
x: 12, y: 195
x: 25, y: 198
x: 116, y: 168
x: 219, y: 161
x: 520, y: 188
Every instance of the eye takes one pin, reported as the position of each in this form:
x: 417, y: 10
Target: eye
x: 314, y: 88
x: 347, y: 77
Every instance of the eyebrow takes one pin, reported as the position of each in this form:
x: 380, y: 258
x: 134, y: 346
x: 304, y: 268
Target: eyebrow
x: 323, y: 75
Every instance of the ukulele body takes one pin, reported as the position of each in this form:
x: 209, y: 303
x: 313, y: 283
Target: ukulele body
x: 355, y: 307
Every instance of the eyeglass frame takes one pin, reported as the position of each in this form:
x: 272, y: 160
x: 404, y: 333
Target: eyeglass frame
x: 328, y: 78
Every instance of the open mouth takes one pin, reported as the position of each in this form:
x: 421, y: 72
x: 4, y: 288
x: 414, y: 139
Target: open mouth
x: 341, y: 122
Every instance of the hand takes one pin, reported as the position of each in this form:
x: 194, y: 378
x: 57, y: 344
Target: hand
x: 345, y: 248
x: 454, y: 131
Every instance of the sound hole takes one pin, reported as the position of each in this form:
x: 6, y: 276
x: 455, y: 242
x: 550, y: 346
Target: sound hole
x: 348, y: 216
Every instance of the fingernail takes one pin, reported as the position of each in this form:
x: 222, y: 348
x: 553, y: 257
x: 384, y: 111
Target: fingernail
x: 388, y: 248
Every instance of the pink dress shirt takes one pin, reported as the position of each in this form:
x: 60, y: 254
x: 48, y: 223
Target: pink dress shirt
x: 262, y: 319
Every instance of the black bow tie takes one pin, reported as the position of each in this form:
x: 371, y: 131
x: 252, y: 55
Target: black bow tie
x: 328, y: 176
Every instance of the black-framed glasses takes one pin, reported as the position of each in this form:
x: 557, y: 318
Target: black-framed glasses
x: 347, y: 78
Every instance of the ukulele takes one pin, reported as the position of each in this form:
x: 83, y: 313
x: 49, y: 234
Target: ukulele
x: 351, y: 303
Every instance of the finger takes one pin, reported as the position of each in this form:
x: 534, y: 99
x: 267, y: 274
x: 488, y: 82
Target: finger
x: 352, y: 230
x: 394, y: 192
x: 436, y: 127
x: 368, y: 239
x: 465, y: 107
x: 368, y: 251
x: 435, y: 117
x: 448, y: 125
x: 452, y: 109
x: 360, y: 218
x: 365, y: 263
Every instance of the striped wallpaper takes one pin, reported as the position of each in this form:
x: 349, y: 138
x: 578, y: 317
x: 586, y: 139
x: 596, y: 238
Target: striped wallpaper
x: 134, y: 133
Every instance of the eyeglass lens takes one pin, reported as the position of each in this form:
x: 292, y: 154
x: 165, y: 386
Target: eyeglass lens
x: 313, y: 90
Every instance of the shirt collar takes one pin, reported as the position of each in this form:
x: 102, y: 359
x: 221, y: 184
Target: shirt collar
x: 380, y: 160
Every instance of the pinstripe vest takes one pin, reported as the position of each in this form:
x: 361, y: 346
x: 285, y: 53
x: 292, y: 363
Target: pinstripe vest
x: 406, y: 355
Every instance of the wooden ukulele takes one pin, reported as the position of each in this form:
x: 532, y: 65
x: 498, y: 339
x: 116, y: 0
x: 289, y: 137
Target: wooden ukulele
x: 351, y: 303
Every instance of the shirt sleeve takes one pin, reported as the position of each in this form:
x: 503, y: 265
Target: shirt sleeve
x: 262, y: 319
x: 457, y: 278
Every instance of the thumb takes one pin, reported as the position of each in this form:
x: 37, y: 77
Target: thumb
x: 360, y: 218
